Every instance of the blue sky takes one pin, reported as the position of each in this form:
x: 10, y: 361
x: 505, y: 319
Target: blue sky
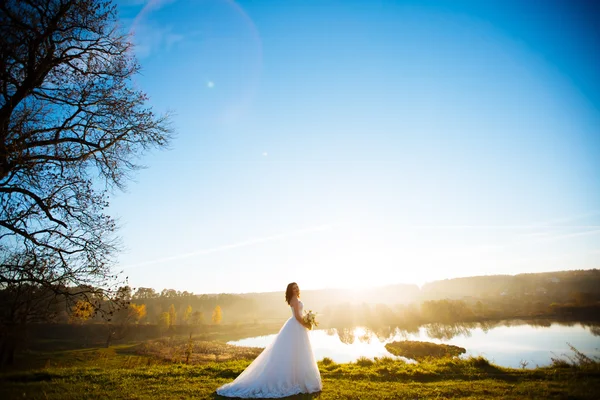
x: 359, y: 143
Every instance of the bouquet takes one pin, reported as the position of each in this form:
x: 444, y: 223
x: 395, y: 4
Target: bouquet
x: 311, y: 318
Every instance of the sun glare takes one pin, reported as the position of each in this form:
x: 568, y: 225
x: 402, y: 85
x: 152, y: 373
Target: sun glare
x: 359, y: 332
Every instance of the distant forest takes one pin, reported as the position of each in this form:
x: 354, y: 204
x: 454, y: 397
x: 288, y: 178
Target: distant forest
x: 565, y: 294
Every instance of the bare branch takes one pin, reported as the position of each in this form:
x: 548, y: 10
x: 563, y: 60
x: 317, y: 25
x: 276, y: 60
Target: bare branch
x: 69, y: 114
x: 38, y: 201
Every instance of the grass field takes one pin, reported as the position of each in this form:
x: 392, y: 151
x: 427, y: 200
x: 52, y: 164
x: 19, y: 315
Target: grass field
x: 157, y: 370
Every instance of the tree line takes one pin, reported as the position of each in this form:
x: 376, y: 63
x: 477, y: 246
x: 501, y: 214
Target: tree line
x: 561, y: 294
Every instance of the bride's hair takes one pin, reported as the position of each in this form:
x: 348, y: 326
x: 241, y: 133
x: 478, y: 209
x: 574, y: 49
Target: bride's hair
x: 289, y: 292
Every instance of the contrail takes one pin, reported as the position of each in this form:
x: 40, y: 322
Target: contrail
x: 553, y: 223
x: 569, y: 235
x: 245, y: 243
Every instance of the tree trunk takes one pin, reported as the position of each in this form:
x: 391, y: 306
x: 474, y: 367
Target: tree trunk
x: 109, y: 337
x: 7, y: 351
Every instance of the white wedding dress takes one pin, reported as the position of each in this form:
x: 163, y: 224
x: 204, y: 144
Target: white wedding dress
x: 286, y: 367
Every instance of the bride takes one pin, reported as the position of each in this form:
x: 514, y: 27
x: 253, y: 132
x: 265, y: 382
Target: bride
x: 286, y: 367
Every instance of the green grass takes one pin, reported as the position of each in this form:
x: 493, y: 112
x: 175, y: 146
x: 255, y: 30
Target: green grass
x: 134, y: 372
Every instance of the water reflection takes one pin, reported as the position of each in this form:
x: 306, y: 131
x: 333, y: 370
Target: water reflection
x: 447, y: 332
x: 444, y: 331
x: 505, y: 343
x: 363, y: 334
x: 346, y: 335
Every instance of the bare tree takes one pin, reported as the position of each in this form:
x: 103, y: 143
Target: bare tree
x: 72, y: 129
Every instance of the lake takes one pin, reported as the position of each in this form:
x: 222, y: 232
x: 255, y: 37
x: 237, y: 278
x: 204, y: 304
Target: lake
x: 508, y: 344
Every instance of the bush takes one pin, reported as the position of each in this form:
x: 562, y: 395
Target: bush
x: 385, y: 360
x: 327, y: 361
x: 559, y: 363
x: 364, y: 362
x: 479, y: 362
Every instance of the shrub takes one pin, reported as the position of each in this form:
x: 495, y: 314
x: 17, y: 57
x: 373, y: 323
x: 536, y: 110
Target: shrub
x: 479, y: 362
x: 578, y: 359
x: 327, y: 361
x: 560, y: 363
x: 385, y: 360
x: 364, y: 362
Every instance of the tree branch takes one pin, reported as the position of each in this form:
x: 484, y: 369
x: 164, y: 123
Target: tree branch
x: 39, y: 202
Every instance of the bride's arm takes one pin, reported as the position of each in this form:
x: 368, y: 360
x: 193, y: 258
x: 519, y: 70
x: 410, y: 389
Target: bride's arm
x: 297, y: 314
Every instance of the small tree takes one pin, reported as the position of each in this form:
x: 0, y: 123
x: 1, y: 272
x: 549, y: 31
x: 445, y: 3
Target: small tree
x: 217, y: 316
x: 189, y: 349
x: 197, y: 318
x: 136, y: 312
x: 187, y: 314
x: 172, y: 315
x: 164, y: 321
x: 119, y: 324
x: 81, y: 312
